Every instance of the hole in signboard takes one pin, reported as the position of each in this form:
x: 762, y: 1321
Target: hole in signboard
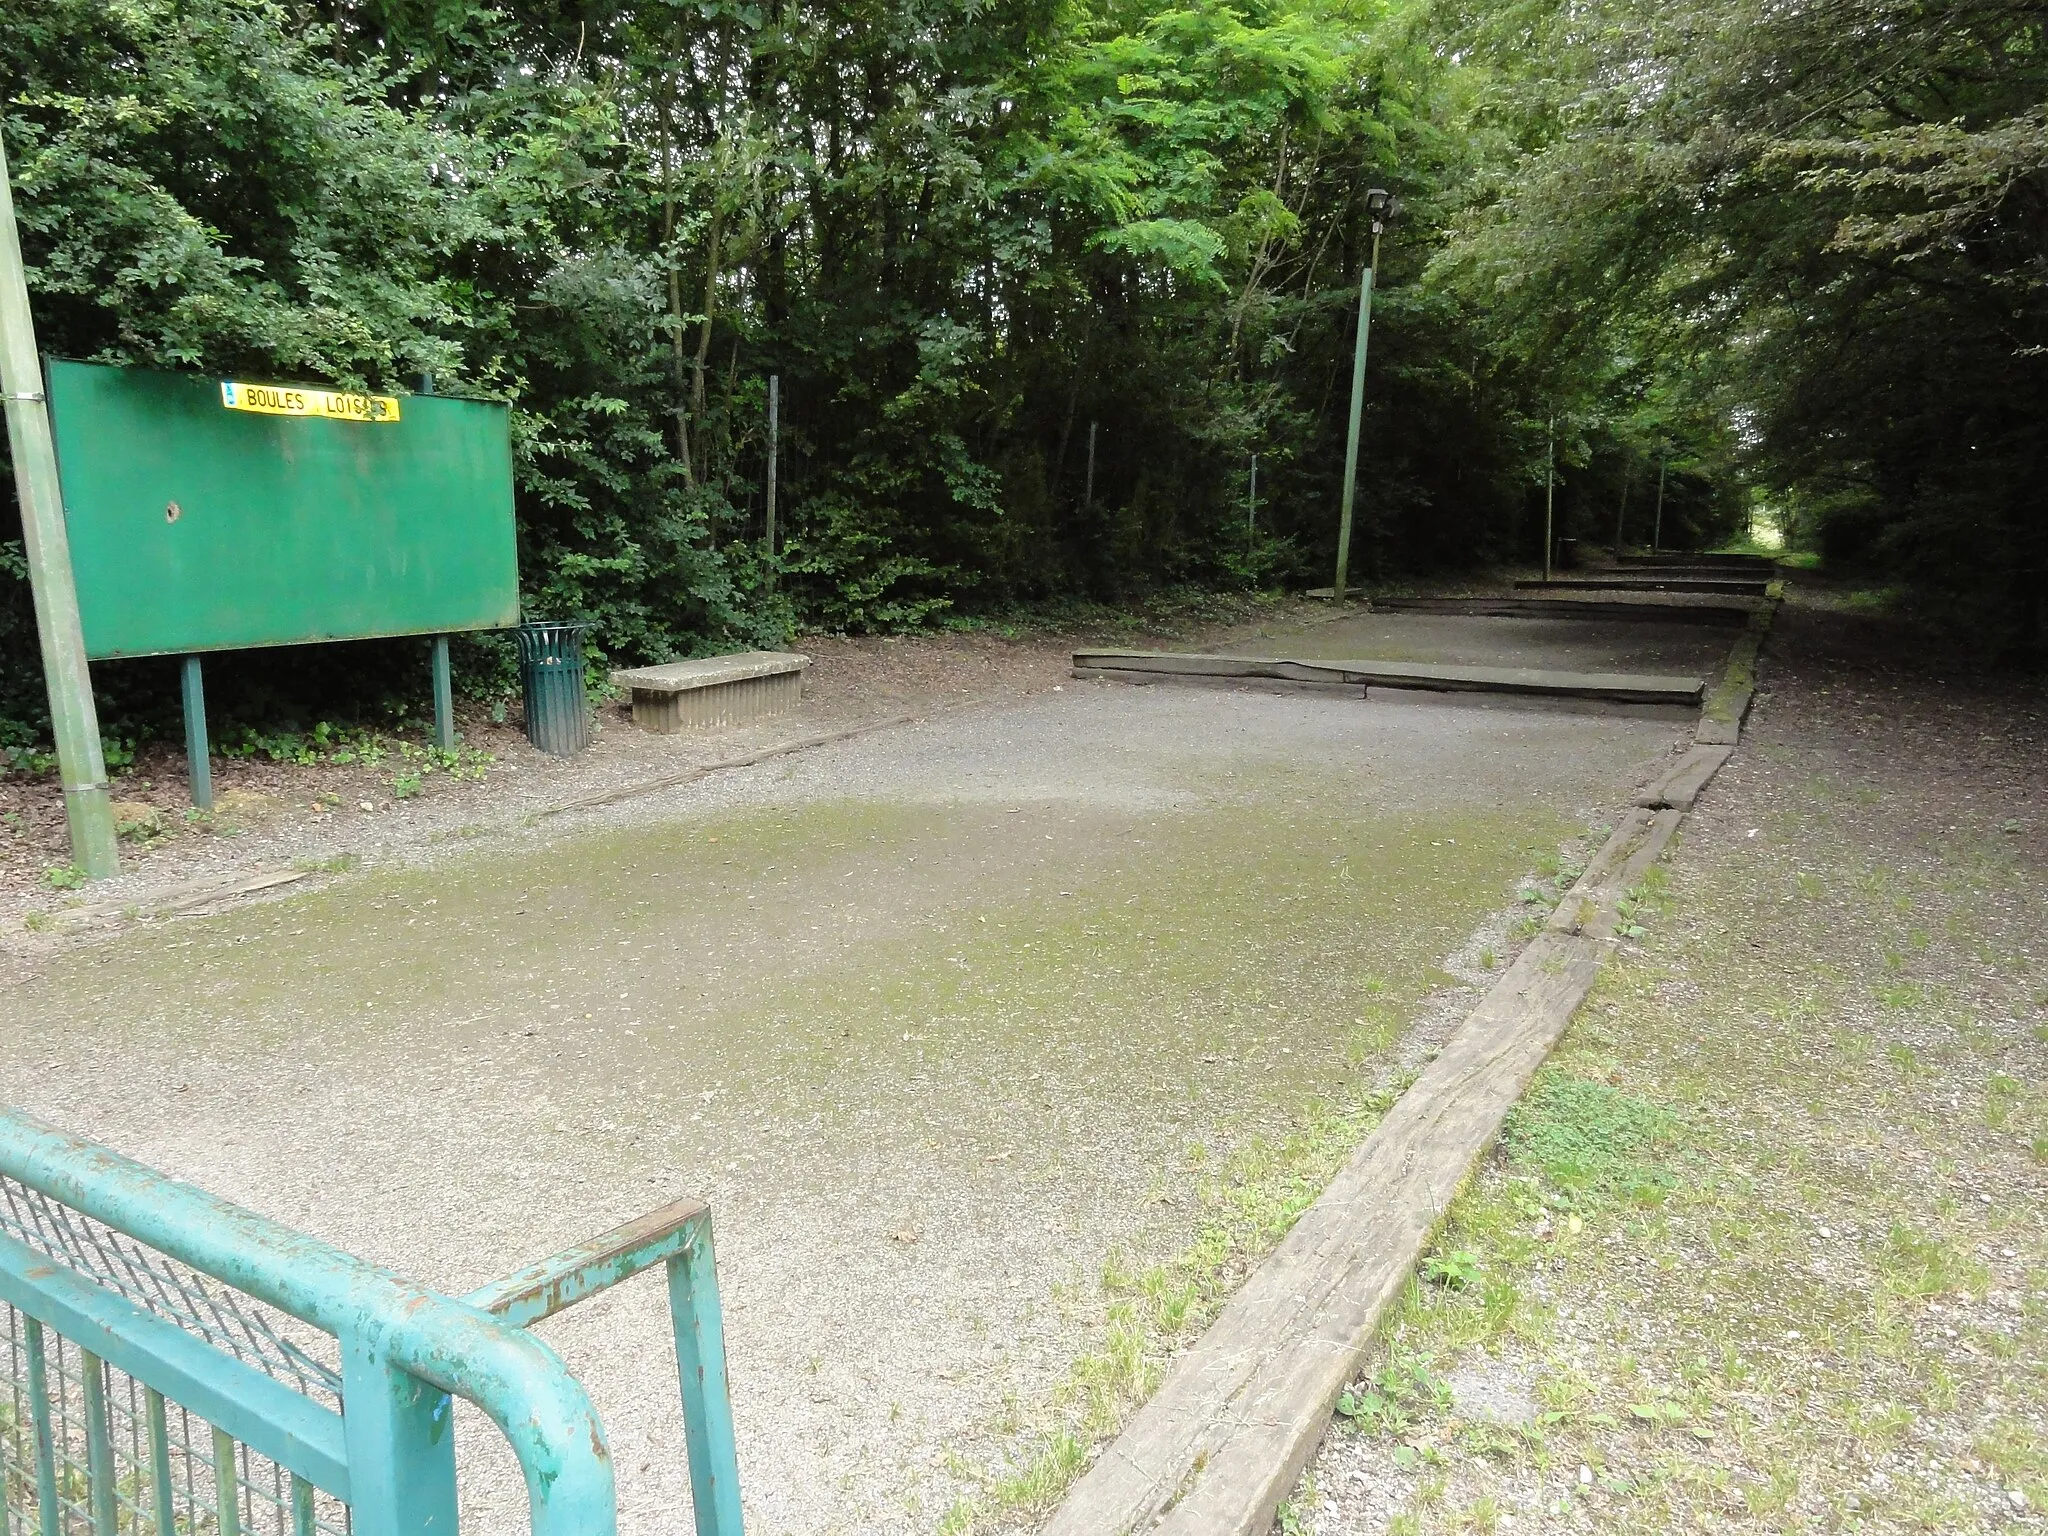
x: 173, y: 512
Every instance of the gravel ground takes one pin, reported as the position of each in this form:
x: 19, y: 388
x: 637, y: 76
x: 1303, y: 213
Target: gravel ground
x: 272, y: 813
x: 1762, y: 1250
x: 959, y: 1025
x: 1576, y: 645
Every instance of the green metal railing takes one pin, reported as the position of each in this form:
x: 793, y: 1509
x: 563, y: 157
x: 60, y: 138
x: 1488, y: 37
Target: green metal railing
x: 175, y: 1365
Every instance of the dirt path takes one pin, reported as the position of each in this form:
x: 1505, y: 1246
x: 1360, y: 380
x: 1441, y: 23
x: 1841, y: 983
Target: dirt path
x: 1763, y: 1248
x: 997, y: 1041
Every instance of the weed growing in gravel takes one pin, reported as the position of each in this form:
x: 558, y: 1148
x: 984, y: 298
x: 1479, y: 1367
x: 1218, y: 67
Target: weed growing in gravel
x: 1589, y: 1142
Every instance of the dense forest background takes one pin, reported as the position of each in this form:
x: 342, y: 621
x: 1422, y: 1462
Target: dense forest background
x: 1795, y: 254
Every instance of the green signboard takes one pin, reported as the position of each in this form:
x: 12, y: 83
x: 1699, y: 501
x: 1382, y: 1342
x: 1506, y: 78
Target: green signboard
x: 209, y: 514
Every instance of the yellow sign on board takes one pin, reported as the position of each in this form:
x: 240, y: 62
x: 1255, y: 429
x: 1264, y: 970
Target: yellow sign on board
x: 291, y: 400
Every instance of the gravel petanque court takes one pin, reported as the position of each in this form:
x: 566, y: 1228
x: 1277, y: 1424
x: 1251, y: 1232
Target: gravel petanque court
x: 940, y: 1019
x: 1564, y: 645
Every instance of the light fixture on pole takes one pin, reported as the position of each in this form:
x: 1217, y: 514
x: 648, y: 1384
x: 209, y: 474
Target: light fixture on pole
x: 1380, y: 206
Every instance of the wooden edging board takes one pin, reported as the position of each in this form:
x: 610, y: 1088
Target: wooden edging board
x: 1640, y: 608
x: 1728, y: 586
x: 186, y: 896
x: 1681, y: 784
x: 1225, y: 1438
x: 1726, y: 708
x: 1721, y: 562
x: 1623, y: 687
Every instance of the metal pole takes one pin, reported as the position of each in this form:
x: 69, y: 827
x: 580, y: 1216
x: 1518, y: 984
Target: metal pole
x: 1339, y: 587
x: 1549, y: 492
x: 1657, y: 536
x: 444, y: 697
x: 774, y: 441
x: 74, y: 720
x: 198, y: 755
x: 1621, y: 516
x: 1251, y: 506
x: 1088, y: 496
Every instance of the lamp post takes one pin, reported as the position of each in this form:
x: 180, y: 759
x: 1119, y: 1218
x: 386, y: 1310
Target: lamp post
x: 1379, y: 207
x: 774, y: 435
x: 74, y: 722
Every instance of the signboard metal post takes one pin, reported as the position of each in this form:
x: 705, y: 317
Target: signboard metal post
x: 74, y: 720
x: 198, y: 754
x: 444, y: 697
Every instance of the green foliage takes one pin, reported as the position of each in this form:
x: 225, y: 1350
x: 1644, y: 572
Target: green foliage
x: 1588, y: 1140
x: 1038, y: 281
x: 1456, y: 1271
x: 1393, y: 1397
x: 1804, y: 244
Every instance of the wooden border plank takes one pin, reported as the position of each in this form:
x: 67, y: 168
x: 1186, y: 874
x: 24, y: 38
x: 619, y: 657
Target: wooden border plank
x: 1639, y: 608
x: 1681, y: 783
x: 1617, y: 687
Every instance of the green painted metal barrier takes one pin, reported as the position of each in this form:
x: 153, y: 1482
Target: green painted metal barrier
x: 179, y: 1365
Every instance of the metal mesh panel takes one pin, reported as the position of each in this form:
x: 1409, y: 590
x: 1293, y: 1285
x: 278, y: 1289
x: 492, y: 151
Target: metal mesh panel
x: 160, y: 1465
x: 258, y: 1335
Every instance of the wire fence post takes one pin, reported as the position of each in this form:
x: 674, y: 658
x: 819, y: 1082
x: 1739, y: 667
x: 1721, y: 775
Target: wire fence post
x: 1251, y: 507
x: 1657, y: 533
x: 1088, y: 493
x: 1621, y: 516
x: 1549, y: 492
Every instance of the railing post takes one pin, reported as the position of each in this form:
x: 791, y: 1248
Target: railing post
x: 50, y: 1513
x: 99, y: 1448
x: 227, y: 1485
x: 163, y: 1505
x: 700, y: 1363
x: 400, y: 1434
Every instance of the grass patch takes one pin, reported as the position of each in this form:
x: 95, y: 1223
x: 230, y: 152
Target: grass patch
x: 1589, y: 1141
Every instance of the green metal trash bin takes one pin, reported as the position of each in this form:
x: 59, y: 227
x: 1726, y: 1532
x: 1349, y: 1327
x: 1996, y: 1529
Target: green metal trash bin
x: 551, y: 674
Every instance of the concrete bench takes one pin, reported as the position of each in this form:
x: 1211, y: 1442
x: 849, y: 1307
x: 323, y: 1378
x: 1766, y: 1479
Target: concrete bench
x: 716, y: 692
